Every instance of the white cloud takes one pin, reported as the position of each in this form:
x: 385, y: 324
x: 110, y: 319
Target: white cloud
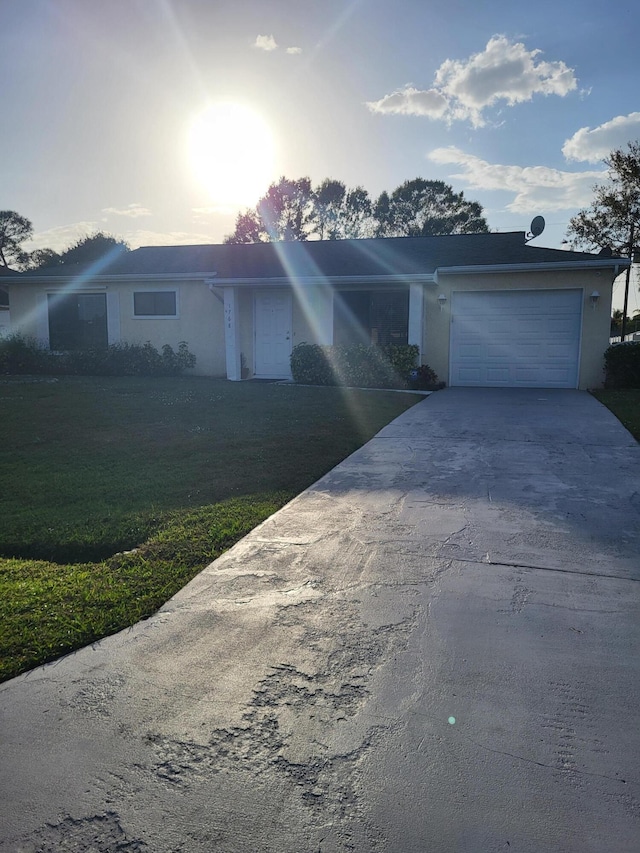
x: 294, y: 50
x: 592, y: 145
x: 412, y: 102
x: 265, y: 43
x: 61, y: 237
x: 535, y: 188
x: 503, y: 72
x: 132, y: 210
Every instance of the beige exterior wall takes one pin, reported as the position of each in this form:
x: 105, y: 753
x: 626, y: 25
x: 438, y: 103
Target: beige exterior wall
x: 595, y: 321
x: 199, y: 319
x: 313, y: 315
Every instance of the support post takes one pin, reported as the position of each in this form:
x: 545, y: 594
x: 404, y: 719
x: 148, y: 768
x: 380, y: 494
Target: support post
x: 416, y: 315
x: 232, y: 334
x: 623, y: 330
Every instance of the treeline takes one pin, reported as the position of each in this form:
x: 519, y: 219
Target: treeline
x: 292, y: 209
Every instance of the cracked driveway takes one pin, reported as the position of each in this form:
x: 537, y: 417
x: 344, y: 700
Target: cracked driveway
x: 434, y: 648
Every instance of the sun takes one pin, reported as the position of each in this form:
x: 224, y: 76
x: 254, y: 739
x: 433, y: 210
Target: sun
x: 231, y: 152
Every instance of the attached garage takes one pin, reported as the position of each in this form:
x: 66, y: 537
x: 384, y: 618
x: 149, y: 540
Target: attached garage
x: 516, y: 338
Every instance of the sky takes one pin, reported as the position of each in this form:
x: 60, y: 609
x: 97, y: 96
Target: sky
x: 158, y: 120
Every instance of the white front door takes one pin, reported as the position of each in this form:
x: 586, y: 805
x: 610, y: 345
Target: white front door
x: 273, y: 334
x: 516, y: 338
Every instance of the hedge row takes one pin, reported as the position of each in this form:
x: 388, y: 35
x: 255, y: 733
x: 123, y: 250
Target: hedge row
x: 361, y: 366
x: 622, y: 365
x: 19, y: 355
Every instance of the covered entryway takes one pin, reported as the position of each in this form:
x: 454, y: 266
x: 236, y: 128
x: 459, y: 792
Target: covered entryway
x: 273, y: 319
x: 516, y: 338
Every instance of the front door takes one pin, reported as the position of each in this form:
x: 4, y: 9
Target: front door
x: 273, y: 334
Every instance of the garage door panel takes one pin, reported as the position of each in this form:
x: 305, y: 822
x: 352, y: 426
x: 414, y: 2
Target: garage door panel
x: 526, y: 375
x: 563, y: 325
x: 495, y: 326
x: 516, y: 338
x: 560, y: 351
x: 470, y: 375
x: 529, y: 351
x: 531, y: 325
x: 497, y: 374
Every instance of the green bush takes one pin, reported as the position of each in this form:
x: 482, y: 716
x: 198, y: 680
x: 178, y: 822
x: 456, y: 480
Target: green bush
x: 310, y: 365
x: 354, y: 365
x: 622, y: 365
x: 20, y: 355
x: 424, y: 378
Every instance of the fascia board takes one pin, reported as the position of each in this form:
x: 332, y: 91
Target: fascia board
x: 422, y: 278
x: 551, y: 266
x: 108, y: 279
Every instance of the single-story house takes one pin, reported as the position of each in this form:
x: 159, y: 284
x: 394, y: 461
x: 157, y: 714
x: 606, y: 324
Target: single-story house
x: 483, y: 309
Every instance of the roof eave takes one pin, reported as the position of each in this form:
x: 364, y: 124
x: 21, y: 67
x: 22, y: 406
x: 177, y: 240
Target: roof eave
x: 281, y: 281
x: 105, y: 279
x: 614, y: 264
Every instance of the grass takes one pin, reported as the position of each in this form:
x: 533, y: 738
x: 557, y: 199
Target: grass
x: 625, y: 405
x: 117, y: 491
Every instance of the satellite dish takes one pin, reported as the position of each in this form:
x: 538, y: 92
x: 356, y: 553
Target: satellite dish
x: 536, y: 228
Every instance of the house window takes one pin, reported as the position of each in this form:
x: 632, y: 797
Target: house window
x: 371, y: 317
x: 77, y: 321
x: 154, y: 303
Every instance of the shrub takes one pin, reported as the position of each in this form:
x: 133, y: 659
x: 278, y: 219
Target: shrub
x: 622, y: 365
x: 354, y: 365
x: 310, y: 365
x: 20, y: 355
x: 424, y: 378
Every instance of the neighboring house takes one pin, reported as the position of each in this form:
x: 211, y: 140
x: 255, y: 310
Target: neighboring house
x: 483, y: 309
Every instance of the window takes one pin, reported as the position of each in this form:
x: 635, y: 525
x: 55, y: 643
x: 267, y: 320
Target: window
x: 77, y: 321
x: 371, y: 317
x: 154, y: 303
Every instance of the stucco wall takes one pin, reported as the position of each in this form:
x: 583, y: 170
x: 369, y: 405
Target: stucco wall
x: 199, y: 321
x: 595, y: 322
x: 25, y: 302
x: 313, y: 314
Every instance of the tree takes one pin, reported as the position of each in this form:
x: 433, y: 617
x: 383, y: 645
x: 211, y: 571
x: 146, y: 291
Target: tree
x: 612, y: 221
x: 421, y: 208
x: 85, y: 250
x: 93, y: 247
x: 41, y: 259
x: 283, y: 213
x: 341, y: 214
x: 248, y: 229
x: 14, y: 230
x: 291, y: 210
x: 615, y: 210
x: 328, y: 201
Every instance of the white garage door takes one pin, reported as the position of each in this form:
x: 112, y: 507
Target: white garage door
x: 516, y: 338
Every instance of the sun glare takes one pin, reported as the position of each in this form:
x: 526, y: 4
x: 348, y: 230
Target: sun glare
x: 231, y: 153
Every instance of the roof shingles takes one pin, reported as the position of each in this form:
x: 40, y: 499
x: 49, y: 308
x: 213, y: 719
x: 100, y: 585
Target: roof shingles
x: 331, y: 258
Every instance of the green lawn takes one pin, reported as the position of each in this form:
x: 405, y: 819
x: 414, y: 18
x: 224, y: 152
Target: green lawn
x: 178, y: 469
x: 625, y: 405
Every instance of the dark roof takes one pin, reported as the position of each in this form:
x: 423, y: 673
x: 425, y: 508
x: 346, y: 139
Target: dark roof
x: 370, y: 257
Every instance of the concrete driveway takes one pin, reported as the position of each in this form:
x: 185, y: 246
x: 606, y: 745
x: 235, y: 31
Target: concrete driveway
x: 435, y: 648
